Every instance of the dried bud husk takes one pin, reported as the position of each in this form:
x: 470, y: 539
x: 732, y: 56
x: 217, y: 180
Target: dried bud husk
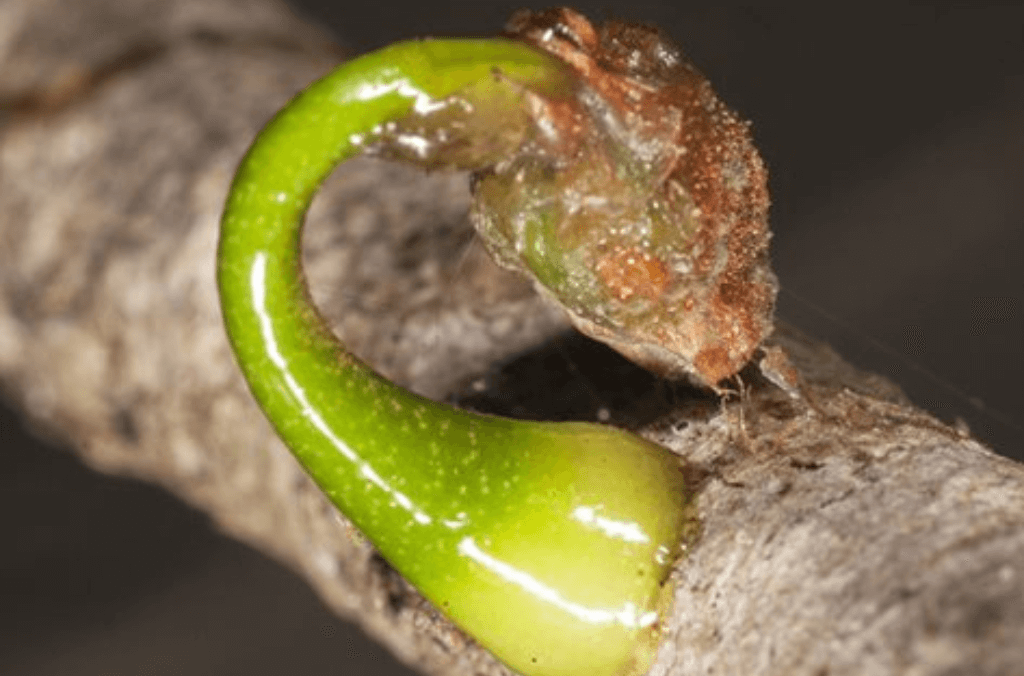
x: 638, y: 203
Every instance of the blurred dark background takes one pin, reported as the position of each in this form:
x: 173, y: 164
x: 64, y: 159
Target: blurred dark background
x: 895, y: 142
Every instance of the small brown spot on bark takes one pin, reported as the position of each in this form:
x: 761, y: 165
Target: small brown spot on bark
x: 125, y: 426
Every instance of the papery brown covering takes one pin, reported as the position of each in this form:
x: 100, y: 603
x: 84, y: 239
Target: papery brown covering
x: 641, y: 205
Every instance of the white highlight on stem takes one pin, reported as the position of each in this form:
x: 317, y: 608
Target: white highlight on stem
x: 422, y: 103
x: 628, y: 615
x: 257, y: 285
x: 461, y: 520
x: 627, y: 531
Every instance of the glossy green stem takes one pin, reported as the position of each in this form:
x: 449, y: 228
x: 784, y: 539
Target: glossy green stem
x: 548, y: 542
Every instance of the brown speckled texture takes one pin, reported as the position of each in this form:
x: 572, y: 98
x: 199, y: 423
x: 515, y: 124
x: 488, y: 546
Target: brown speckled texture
x: 641, y: 206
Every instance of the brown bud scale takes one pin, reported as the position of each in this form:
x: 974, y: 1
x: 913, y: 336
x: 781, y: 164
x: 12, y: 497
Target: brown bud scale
x: 640, y: 203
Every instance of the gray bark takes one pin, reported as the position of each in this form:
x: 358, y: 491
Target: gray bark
x: 854, y: 535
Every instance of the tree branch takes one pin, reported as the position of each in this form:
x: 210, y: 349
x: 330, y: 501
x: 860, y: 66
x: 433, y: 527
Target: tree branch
x: 857, y: 535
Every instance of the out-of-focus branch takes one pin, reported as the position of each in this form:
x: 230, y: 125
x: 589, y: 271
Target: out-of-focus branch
x: 855, y: 536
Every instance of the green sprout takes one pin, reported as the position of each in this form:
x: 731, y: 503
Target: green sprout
x: 550, y: 543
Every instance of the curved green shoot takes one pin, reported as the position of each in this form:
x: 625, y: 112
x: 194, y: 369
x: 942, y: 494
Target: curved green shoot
x: 550, y: 543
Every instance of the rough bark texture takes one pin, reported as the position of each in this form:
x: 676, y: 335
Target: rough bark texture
x: 855, y: 535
